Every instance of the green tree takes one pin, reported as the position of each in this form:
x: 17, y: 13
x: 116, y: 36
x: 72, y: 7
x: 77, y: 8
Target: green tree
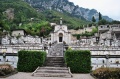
x: 94, y: 30
x: 93, y: 19
x: 4, y: 25
x: 77, y: 28
x: 103, y: 22
x: 100, y: 16
x: 1, y: 24
x: 115, y: 22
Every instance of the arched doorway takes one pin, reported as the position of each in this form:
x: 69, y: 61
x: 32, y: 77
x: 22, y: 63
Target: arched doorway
x: 60, y: 37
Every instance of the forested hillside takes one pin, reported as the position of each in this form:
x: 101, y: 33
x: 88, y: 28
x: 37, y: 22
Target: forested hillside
x: 17, y: 14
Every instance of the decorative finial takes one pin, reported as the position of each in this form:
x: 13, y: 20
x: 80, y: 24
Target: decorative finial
x: 60, y: 21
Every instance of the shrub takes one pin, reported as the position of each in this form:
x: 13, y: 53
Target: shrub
x: 79, y: 61
x: 107, y: 73
x: 6, y: 69
x: 28, y: 61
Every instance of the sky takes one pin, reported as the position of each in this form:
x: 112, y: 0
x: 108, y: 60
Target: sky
x: 110, y: 8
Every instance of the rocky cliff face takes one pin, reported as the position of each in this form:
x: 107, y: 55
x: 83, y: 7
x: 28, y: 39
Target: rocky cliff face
x: 65, y: 6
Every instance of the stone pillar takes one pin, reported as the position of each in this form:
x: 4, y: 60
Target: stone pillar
x: 4, y: 57
x: 107, y: 60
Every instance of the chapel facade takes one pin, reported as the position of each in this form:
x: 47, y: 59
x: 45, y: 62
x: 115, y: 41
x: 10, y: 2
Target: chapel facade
x: 61, y: 34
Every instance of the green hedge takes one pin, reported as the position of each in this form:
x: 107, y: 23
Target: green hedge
x: 79, y: 61
x: 28, y: 61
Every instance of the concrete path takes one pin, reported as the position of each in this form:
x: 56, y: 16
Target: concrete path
x: 22, y: 75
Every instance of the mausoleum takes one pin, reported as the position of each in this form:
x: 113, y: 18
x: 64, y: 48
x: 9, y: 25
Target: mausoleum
x: 61, y: 34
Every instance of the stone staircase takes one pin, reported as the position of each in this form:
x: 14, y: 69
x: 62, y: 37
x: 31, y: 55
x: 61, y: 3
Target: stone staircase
x: 55, y: 62
x: 54, y: 65
x: 56, y: 50
x: 52, y: 72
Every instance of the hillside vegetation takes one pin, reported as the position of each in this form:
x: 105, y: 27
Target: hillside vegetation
x: 71, y: 21
x: 17, y: 14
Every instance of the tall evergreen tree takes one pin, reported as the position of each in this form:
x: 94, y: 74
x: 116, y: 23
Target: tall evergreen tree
x: 103, y: 22
x: 100, y: 16
x: 93, y: 19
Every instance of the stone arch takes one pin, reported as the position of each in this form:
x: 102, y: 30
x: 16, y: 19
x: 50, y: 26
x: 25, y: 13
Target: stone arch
x: 60, y: 37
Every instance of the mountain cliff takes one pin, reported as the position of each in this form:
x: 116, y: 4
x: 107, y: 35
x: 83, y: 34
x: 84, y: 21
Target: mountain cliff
x: 64, y: 6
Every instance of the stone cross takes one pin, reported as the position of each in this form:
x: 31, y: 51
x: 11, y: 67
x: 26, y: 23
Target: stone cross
x: 60, y: 21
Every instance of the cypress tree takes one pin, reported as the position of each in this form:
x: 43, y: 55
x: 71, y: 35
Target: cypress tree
x: 100, y: 16
x: 93, y: 19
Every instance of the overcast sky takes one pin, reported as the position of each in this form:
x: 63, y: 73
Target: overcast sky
x: 110, y: 8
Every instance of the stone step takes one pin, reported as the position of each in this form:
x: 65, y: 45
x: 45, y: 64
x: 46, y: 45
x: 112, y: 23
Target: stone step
x: 66, y: 75
x: 56, y: 61
x: 58, y: 58
x: 52, y: 71
x: 53, y: 59
x: 54, y: 68
x: 55, y: 65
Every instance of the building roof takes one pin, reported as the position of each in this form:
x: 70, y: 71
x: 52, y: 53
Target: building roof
x: 17, y: 29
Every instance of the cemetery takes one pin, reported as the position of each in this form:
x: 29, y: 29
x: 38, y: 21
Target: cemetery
x: 60, y: 54
x: 59, y: 39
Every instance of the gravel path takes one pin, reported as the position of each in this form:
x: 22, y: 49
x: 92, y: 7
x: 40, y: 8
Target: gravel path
x: 22, y: 75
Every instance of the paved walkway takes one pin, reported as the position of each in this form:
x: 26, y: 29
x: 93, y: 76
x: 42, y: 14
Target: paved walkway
x: 22, y: 75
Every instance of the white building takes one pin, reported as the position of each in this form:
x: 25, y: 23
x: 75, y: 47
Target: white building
x: 17, y: 32
x: 61, y: 34
x: 109, y: 35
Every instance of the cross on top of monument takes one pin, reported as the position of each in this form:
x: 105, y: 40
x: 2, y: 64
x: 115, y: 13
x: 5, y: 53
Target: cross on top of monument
x: 60, y: 21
